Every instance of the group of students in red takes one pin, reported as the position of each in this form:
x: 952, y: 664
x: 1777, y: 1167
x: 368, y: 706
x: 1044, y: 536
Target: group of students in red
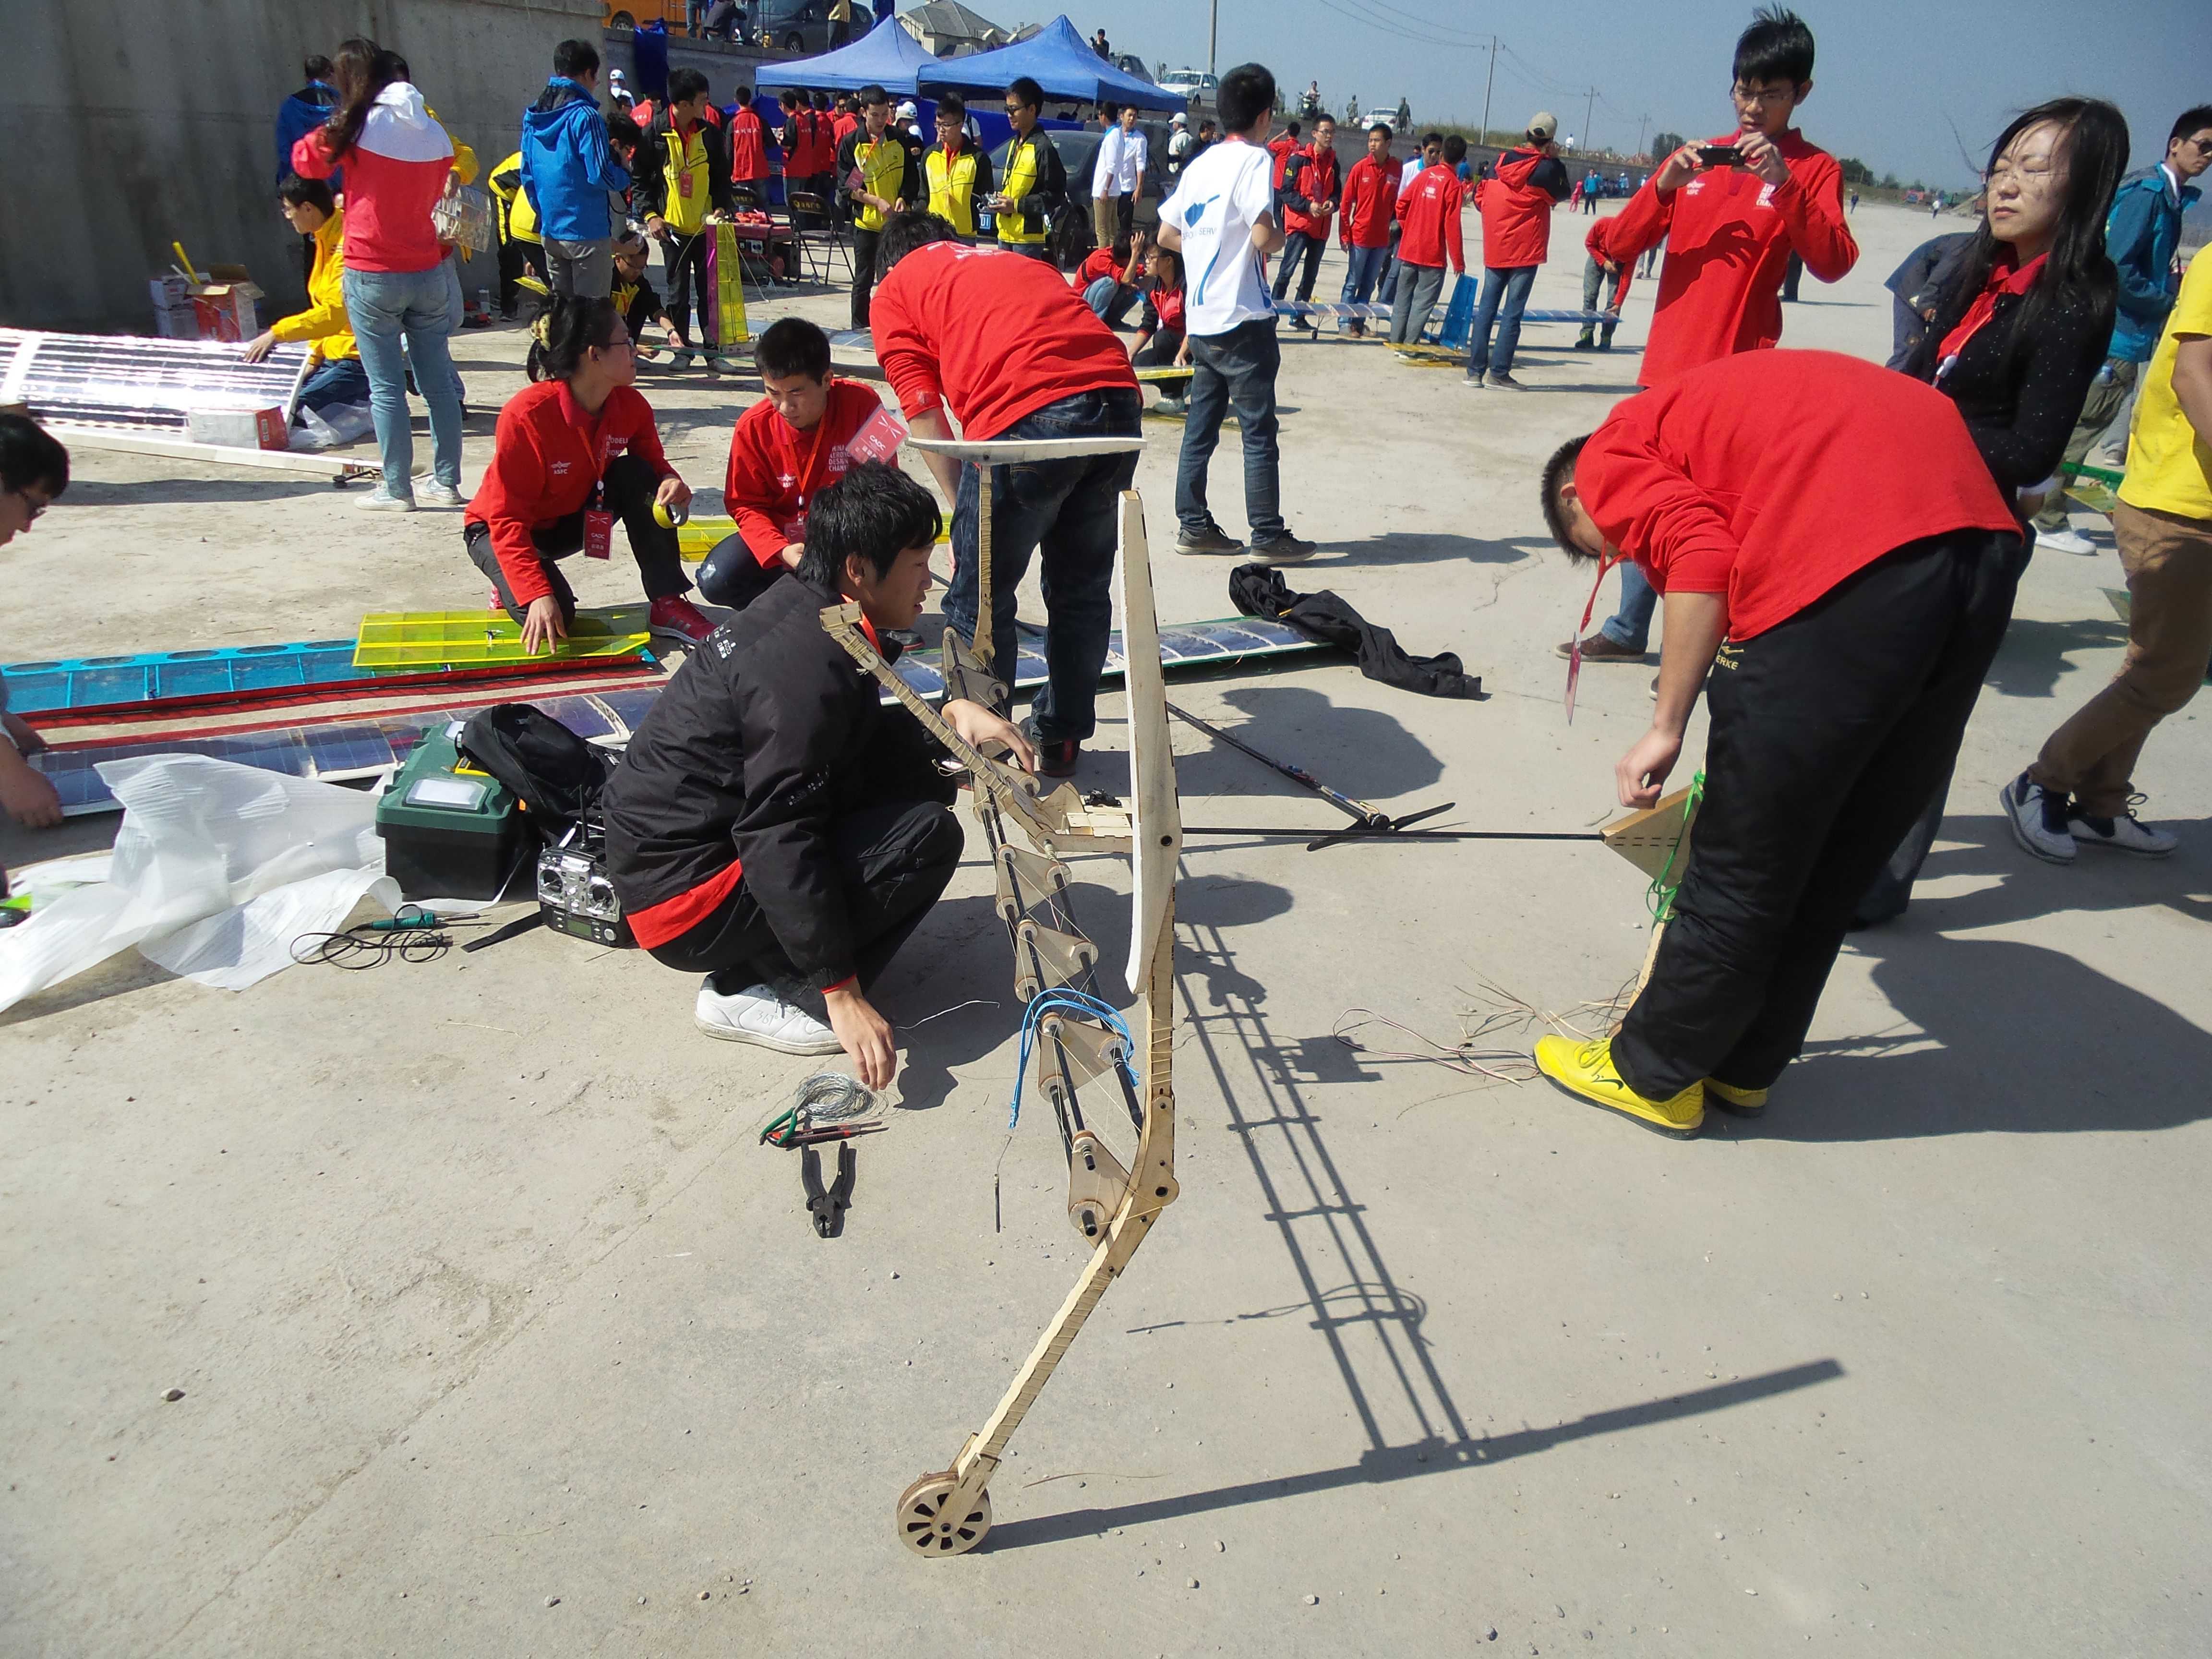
x: 1838, y: 543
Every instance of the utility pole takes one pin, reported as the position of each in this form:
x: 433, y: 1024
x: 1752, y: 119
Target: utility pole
x: 1589, y: 106
x: 1643, y: 126
x: 1212, y: 36
x: 1488, y: 84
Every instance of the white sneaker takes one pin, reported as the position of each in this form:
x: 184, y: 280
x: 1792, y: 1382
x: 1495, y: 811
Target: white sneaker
x: 2038, y: 817
x: 2126, y: 834
x: 431, y: 493
x: 755, y: 1015
x: 2064, y: 541
x: 380, y: 500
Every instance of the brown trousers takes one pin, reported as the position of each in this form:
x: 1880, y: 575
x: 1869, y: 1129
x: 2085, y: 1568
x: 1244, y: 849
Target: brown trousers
x: 2168, y: 560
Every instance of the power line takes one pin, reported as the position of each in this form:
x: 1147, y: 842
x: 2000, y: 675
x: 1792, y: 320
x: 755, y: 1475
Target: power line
x: 1386, y: 26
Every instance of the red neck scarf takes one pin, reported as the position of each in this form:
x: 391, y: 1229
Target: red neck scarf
x: 2004, y: 279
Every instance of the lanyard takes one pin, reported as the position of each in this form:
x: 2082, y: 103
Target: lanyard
x: 806, y: 472
x: 1574, y: 651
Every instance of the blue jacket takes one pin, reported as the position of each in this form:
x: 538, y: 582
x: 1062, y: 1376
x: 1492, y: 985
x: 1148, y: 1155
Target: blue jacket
x: 567, y: 167
x: 2140, y: 237
x: 298, y: 116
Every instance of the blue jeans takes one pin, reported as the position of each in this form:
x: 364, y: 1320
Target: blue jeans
x: 1070, y: 510
x: 1111, y: 300
x: 1297, y: 247
x: 1237, y: 368
x: 1363, y: 272
x: 424, y: 308
x: 1512, y: 283
x: 335, y: 380
x: 1631, y: 625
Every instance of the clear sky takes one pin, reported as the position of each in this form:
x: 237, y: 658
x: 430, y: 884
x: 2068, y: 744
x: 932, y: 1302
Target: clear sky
x: 1891, y: 77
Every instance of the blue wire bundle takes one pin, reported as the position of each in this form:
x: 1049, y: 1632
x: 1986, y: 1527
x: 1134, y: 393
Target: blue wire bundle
x: 1066, y: 1002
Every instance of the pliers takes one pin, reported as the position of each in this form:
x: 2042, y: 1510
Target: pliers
x: 827, y: 1208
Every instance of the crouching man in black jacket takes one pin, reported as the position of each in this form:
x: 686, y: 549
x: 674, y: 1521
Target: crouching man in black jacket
x: 774, y: 825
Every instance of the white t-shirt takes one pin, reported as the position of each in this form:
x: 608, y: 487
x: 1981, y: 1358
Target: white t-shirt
x: 1221, y: 197
x: 1119, y: 168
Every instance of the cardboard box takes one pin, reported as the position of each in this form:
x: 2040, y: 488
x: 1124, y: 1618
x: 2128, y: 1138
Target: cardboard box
x: 227, y: 310
x: 237, y: 429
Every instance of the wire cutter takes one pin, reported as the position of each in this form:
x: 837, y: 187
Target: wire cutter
x: 829, y: 1207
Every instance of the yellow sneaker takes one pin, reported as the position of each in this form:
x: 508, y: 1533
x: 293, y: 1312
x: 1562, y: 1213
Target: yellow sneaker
x: 1744, y: 1102
x: 1587, y: 1068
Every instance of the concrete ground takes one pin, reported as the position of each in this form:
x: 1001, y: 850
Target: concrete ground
x: 498, y: 1333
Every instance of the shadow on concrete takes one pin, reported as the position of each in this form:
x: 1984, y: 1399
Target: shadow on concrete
x: 2033, y: 658
x: 1369, y: 1323
x: 124, y: 972
x: 958, y: 955
x: 1396, y: 547
x: 1361, y: 752
x: 185, y: 492
x: 1432, y: 1455
x: 2010, y: 1037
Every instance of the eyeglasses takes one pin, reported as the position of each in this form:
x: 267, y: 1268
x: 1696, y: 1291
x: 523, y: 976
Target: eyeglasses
x: 2201, y: 146
x: 33, y: 510
x: 1781, y: 92
x: 2031, y: 177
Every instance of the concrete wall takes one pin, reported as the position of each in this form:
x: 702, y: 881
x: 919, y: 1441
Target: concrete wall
x: 124, y: 125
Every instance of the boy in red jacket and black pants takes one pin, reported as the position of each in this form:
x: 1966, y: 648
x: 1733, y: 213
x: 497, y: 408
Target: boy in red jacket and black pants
x: 787, y: 449
x: 1844, y: 631
x: 1308, y: 195
x: 1429, y: 211
x: 1371, y: 202
x: 572, y: 454
x: 1730, y: 226
x: 1517, y: 235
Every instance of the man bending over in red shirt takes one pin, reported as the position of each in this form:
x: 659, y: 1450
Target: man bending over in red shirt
x: 1845, y: 631
x: 787, y: 448
x: 1013, y: 352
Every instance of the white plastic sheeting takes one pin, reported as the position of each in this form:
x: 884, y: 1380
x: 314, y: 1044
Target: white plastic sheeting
x: 216, y: 869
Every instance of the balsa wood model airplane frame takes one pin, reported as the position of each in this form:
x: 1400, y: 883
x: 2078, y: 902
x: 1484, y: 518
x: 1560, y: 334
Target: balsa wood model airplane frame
x: 1112, y: 1206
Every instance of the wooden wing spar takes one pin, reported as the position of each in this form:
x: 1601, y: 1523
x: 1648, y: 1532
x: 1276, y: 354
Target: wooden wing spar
x: 1075, y: 1038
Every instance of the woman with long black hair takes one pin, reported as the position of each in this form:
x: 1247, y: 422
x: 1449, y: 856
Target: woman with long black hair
x: 2019, y: 334
x: 400, y: 286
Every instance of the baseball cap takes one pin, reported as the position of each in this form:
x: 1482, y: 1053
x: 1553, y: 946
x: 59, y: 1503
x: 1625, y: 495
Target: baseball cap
x: 1543, y: 125
x: 1181, y: 119
x: 906, y: 110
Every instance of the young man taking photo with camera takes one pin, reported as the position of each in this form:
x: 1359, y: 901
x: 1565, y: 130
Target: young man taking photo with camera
x: 1730, y: 212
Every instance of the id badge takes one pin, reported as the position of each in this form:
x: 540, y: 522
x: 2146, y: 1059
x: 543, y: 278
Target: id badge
x: 683, y: 184
x: 599, y: 532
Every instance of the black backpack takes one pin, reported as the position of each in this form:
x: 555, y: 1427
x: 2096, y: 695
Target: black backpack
x: 555, y: 775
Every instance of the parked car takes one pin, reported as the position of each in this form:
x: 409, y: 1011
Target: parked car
x: 1071, y: 236
x: 803, y: 26
x: 1191, y: 83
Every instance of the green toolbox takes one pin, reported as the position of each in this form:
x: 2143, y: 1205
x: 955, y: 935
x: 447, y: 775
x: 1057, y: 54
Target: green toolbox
x: 450, y: 831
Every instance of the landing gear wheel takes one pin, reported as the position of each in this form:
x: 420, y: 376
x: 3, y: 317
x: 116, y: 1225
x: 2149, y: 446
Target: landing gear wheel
x: 925, y: 1528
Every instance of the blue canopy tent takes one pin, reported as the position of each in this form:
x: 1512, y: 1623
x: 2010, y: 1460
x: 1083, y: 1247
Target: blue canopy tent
x: 885, y: 56
x: 1058, y: 59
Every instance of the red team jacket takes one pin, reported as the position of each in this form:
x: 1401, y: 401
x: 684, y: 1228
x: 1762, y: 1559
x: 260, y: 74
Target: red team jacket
x: 775, y: 470
x: 995, y: 336
x: 748, y: 148
x: 547, y: 458
x: 1371, y: 202
x: 1430, y: 212
x: 1516, y: 214
x: 1312, y: 179
x: 1701, y: 484
x: 1729, y: 235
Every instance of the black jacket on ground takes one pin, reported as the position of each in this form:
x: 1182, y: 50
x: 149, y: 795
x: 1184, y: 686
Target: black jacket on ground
x: 649, y: 176
x: 2021, y: 388
x: 768, y: 734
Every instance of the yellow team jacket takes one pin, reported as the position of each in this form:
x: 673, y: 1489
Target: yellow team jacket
x: 882, y: 168
x: 1023, y: 174
x: 324, y: 321
x: 952, y: 185
x: 518, y: 219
